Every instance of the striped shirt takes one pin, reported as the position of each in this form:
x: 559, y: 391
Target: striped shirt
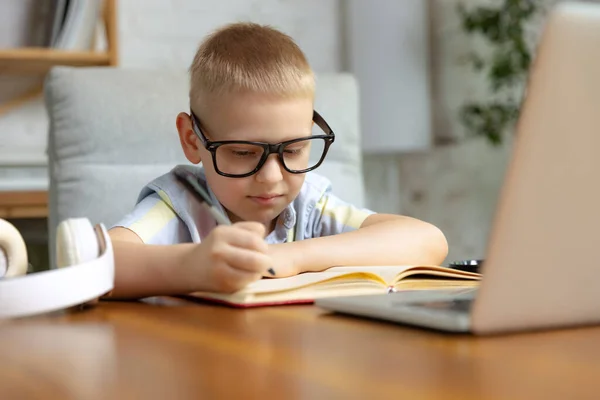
x: 167, y: 213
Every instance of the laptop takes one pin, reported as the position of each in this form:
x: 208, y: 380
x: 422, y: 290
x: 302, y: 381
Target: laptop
x: 542, y: 264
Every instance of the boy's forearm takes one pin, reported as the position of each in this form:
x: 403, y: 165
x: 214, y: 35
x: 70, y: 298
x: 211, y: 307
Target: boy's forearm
x: 147, y: 270
x: 389, y: 240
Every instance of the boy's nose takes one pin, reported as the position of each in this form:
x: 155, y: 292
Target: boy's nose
x: 271, y: 171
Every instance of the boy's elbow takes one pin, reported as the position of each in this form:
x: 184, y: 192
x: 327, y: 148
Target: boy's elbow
x: 431, y: 244
x: 437, y: 244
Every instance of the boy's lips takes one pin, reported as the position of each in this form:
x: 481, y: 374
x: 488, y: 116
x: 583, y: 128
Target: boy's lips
x: 266, y: 199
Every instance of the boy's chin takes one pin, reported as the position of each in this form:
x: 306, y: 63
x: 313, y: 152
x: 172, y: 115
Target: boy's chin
x: 267, y: 217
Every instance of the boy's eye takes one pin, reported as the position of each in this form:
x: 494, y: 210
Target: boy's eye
x: 296, y: 149
x: 294, y: 152
x: 240, y: 151
x: 243, y: 153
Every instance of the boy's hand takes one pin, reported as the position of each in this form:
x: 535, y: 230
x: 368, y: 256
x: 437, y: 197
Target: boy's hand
x: 283, y: 262
x: 229, y: 258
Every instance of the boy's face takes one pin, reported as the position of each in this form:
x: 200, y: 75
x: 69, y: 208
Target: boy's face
x: 260, y: 197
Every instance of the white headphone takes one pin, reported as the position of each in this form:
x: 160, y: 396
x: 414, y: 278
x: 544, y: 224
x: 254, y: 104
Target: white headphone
x: 85, y: 270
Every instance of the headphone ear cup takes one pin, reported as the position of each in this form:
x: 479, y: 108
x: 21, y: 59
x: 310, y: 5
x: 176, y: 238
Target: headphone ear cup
x: 76, y: 242
x: 13, y: 252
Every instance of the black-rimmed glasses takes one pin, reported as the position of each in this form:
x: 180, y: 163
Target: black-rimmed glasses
x: 240, y: 158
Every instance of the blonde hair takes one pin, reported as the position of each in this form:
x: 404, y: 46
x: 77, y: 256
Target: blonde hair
x: 248, y: 57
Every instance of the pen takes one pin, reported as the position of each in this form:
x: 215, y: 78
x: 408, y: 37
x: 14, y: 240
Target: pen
x: 190, y: 181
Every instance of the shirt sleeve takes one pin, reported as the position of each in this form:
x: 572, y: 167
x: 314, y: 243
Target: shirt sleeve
x: 155, y: 222
x: 333, y: 215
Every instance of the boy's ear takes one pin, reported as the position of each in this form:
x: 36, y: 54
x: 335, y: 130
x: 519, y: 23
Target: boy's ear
x: 190, y: 143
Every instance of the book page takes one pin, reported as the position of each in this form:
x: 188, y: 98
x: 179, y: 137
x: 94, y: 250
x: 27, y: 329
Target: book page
x: 378, y: 275
x: 357, y: 280
x: 429, y: 284
x: 388, y: 273
x: 437, y: 271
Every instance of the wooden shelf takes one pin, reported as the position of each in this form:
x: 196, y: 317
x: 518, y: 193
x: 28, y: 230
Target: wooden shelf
x: 24, y: 204
x: 40, y: 60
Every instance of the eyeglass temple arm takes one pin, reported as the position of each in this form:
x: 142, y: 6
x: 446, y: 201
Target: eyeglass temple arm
x: 322, y: 123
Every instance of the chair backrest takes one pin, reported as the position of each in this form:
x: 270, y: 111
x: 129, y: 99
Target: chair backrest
x: 112, y: 130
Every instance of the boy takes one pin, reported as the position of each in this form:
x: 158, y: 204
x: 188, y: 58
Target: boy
x: 250, y: 124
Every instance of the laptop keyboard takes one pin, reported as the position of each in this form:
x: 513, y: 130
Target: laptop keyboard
x: 461, y: 304
x: 457, y: 305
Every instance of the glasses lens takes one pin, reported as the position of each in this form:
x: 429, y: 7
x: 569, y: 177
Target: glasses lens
x: 303, y: 154
x: 238, y: 159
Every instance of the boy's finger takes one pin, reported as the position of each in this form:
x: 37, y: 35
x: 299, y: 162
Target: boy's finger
x: 246, y: 240
x: 229, y: 279
x: 247, y: 260
x: 255, y: 227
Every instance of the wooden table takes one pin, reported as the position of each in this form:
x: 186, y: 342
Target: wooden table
x: 172, y: 349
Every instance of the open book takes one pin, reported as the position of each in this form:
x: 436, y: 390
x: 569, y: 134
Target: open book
x: 342, y: 281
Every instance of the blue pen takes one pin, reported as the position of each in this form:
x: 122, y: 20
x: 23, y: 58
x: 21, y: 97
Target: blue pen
x: 190, y: 181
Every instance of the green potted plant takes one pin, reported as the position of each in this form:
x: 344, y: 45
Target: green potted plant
x: 503, y: 27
